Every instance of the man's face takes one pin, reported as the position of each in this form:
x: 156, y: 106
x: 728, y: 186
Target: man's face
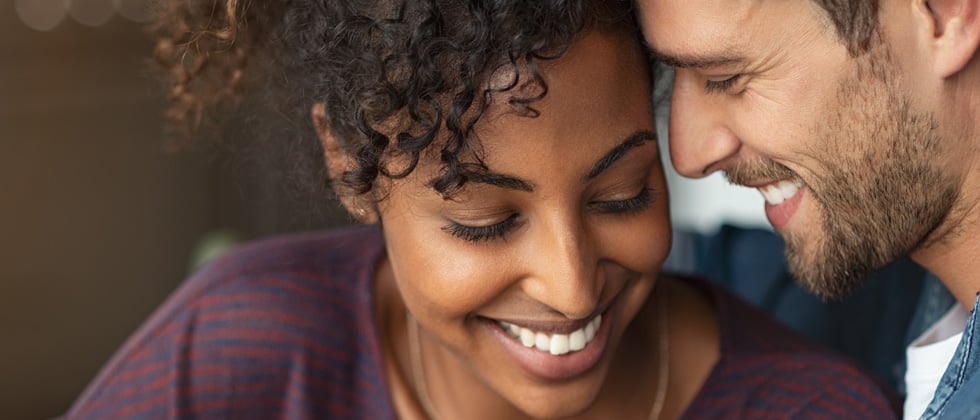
x: 851, y: 169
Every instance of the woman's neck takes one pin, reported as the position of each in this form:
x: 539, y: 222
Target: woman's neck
x: 452, y: 390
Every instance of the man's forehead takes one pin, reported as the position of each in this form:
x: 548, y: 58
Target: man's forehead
x: 709, y: 33
x: 690, y: 23
x: 714, y: 12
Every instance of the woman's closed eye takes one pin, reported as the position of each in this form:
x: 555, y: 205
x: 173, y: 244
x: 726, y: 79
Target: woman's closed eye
x: 482, y: 233
x: 499, y: 230
x: 635, y: 204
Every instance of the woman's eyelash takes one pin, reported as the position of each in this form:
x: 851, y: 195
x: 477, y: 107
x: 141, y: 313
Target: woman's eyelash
x: 640, y: 202
x: 720, y: 86
x: 481, y: 233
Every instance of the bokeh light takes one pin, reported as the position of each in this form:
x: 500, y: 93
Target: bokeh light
x: 41, y: 15
x: 92, y: 12
x: 135, y: 10
x: 46, y: 15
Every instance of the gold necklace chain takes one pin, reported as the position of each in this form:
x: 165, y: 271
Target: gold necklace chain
x: 418, y: 374
x: 663, y: 355
x: 663, y: 358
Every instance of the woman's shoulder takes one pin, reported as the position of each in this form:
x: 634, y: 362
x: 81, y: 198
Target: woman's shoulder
x: 746, y: 329
x: 283, y: 323
x: 335, y: 250
x: 765, y: 369
x: 338, y: 263
x: 301, y: 275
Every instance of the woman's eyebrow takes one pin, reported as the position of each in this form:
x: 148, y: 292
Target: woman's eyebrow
x: 634, y: 140
x: 514, y: 183
x: 502, y: 181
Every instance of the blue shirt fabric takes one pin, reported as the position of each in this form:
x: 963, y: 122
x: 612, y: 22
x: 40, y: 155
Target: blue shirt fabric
x: 958, y: 394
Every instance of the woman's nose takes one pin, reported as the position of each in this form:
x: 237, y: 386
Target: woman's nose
x: 565, y: 276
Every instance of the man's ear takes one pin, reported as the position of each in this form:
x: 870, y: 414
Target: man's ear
x: 339, y: 161
x: 955, y: 32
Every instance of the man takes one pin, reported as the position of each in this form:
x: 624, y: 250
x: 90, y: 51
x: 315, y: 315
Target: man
x: 857, y: 121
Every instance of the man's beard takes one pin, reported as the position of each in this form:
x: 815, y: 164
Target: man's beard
x: 877, y: 204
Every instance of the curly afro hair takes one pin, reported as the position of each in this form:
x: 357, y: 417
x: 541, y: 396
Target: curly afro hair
x: 420, y: 64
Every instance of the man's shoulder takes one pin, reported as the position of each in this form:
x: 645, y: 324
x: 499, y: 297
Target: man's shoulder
x: 965, y: 402
x: 958, y: 393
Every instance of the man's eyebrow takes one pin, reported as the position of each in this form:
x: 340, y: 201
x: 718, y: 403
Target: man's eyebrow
x: 694, y: 60
x: 634, y: 140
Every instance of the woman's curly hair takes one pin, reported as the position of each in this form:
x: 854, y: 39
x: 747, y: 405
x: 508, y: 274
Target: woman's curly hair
x: 420, y: 66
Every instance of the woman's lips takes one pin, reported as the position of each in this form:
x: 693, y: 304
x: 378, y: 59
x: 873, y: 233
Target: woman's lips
x: 551, y: 355
x: 557, y: 343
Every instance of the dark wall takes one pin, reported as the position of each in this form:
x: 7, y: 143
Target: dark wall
x: 97, y: 221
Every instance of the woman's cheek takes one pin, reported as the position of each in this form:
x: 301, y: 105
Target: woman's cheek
x: 640, y: 243
x: 451, y: 280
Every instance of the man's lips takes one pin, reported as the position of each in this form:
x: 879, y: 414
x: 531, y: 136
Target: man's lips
x: 776, y: 193
x: 783, y: 198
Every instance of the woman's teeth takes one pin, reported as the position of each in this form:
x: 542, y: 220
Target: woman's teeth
x: 556, y: 344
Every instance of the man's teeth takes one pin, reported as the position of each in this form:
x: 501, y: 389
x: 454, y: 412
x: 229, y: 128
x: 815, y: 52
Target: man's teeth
x: 556, y: 344
x: 780, y: 191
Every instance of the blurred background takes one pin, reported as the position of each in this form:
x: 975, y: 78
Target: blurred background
x: 99, y: 222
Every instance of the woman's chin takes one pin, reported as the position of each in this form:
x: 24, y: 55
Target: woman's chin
x: 556, y: 404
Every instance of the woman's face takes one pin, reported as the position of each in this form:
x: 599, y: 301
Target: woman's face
x: 570, y: 225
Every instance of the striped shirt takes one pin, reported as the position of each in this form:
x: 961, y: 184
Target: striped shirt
x: 284, y: 328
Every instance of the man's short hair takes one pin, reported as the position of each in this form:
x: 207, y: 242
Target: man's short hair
x: 856, y: 22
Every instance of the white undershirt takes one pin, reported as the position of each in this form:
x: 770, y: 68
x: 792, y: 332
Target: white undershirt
x: 928, y: 356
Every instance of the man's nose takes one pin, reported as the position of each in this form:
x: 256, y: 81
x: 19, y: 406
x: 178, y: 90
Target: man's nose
x: 700, y: 140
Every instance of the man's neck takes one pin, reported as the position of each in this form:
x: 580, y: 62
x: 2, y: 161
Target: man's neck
x: 952, y: 252
x: 956, y: 261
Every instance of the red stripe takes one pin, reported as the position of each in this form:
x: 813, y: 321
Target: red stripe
x: 147, y: 348
x: 165, y: 384
x: 844, y: 399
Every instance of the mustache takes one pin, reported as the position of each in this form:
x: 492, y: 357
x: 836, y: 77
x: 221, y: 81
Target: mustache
x: 743, y: 173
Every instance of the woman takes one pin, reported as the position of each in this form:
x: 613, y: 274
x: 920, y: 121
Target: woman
x: 503, y: 156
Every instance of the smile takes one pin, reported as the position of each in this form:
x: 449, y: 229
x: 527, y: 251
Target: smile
x: 778, y: 192
x: 556, y: 344
x: 557, y: 350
